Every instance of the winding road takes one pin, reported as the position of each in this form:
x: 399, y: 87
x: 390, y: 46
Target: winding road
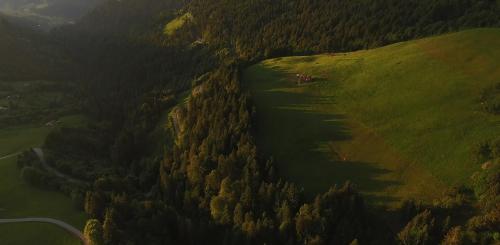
x: 9, y: 156
x: 59, y: 223
x: 69, y: 228
x: 39, y: 153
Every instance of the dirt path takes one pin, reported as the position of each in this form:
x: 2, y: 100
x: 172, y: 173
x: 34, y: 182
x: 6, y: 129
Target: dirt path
x: 10, y: 155
x: 39, y: 153
x: 77, y: 233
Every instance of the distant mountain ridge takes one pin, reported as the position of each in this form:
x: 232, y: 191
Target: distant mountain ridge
x: 46, y: 14
x: 26, y: 54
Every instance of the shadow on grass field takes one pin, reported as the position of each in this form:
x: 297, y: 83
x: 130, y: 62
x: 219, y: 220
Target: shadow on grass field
x: 305, y: 138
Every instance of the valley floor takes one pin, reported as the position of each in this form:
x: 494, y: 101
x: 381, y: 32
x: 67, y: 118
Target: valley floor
x: 19, y: 199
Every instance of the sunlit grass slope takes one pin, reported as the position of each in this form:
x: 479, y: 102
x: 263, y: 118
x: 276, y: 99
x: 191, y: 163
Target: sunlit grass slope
x: 398, y: 121
x: 176, y: 23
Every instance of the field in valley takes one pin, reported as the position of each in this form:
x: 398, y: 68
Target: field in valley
x: 17, y: 198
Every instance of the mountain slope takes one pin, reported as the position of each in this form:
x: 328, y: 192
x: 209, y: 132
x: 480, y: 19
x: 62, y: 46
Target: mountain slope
x: 27, y: 54
x: 400, y: 121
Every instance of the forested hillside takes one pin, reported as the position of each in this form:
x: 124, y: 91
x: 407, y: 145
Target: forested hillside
x: 119, y: 48
x: 177, y: 161
x: 257, y: 29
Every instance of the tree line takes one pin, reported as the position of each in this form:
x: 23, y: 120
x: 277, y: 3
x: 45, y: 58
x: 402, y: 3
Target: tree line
x: 259, y: 29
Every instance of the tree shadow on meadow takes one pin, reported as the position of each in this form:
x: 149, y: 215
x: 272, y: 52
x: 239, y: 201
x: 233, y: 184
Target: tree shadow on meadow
x: 297, y: 59
x: 298, y: 130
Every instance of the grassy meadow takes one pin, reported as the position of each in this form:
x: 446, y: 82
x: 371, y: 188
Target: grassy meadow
x: 398, y: 121
x: 20, y: 200
x: 38, y: 234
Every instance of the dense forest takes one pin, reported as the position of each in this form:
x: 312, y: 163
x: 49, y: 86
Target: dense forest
x: 205, y: 181
x: 303, y: 26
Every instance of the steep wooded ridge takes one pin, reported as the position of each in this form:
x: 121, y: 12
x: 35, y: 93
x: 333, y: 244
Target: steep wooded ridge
x: 120, y: 48
x: 204, y: 181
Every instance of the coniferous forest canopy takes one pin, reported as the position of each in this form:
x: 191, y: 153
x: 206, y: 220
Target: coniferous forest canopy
x: 165, y: 150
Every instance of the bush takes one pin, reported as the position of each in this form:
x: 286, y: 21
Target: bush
x: 33, y: 176
x: 408, y: 209
x: 454, y: 237
x: 27, y: 159
x: 419, y: 231
x: 37, y: 178
x: 482, y: 152
x: 453, y: 199
x: 486, y: 185
x: 490, y: 99
x: 78, y: 199
x: 93, y: 232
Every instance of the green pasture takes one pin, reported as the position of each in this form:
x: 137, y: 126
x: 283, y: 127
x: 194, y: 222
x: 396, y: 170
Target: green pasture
x: 398, y: 121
